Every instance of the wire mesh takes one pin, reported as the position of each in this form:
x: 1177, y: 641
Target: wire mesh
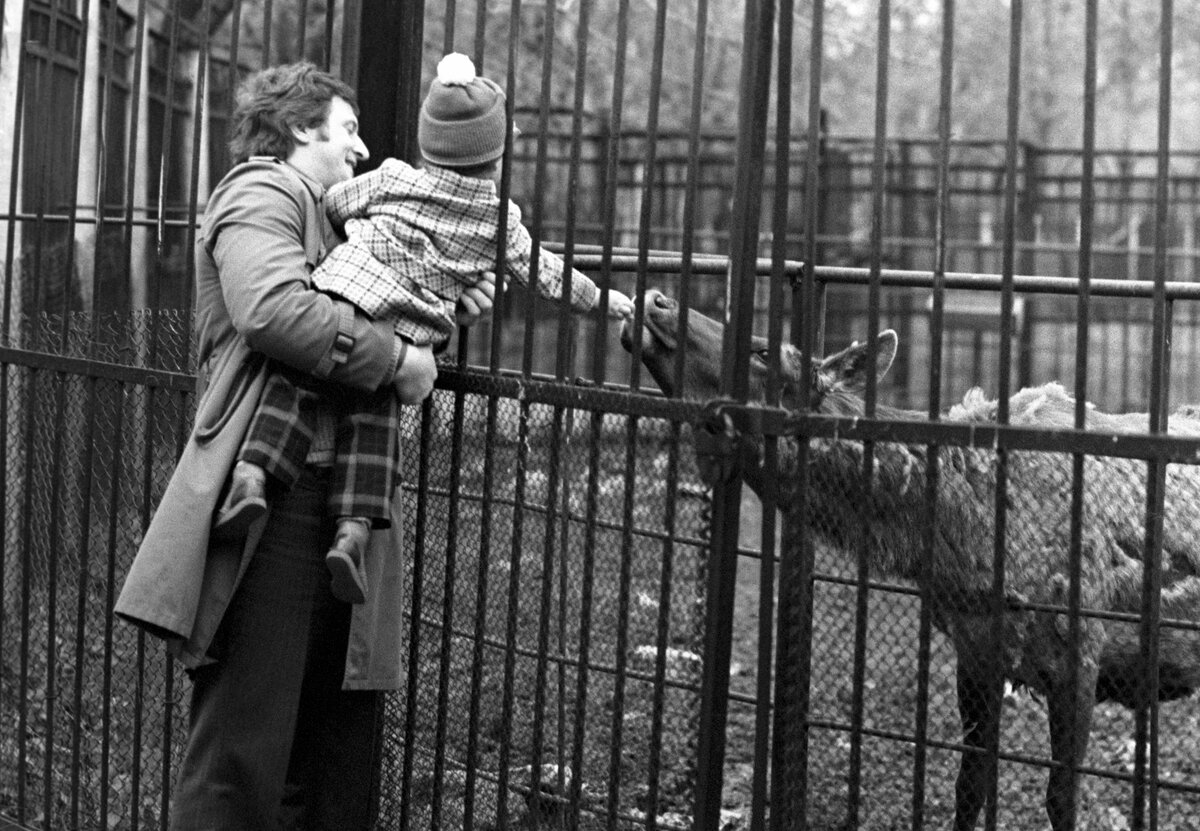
x: 97, y: 707
x: 1036, y: 646
x: 550, y: 551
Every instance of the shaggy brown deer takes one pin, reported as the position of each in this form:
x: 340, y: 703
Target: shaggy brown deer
x: 893, y: 512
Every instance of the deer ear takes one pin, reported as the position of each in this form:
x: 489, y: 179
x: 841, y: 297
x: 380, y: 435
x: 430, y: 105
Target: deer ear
x: 849, y: 367
x: 886, y: 352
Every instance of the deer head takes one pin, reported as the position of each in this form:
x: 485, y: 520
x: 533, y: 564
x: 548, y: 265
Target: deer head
x: 837, y: 381
x: 832, y: 382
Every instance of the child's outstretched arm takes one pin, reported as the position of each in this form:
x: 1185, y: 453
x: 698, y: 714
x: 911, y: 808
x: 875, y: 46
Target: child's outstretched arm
x: 551, y: 276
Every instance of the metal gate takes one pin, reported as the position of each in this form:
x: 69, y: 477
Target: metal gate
x: 606, y: 627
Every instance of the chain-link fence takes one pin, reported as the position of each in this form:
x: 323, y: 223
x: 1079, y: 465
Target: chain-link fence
x: 555, y: 599
x: 556, y: 605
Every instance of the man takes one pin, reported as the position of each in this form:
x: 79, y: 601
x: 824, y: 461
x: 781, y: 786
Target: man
x: 284, y: 727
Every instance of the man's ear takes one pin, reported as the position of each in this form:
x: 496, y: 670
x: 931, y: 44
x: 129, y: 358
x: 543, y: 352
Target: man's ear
x: 302, y: 135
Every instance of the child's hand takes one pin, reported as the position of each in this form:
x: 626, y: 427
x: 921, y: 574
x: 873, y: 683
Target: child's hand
x: 620, y: 307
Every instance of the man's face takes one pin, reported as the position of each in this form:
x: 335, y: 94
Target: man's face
x: 330, y: 151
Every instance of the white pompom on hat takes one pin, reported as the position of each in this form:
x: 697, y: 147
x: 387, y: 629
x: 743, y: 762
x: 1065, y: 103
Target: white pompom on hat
x: 462, y: 121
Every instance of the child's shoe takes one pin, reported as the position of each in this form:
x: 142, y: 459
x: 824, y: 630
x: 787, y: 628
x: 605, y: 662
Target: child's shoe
x: 344, y: 560
x: 245, y: 503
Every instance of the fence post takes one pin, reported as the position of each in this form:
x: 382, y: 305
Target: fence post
x: 388, y: 75
x: 753, y: 106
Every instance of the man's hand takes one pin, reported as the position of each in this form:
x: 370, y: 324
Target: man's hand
x: 415, y: 375
x: 476, y: 301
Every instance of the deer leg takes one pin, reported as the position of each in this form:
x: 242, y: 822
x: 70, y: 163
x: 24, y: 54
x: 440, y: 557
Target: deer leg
x: 978, y: 705
x: 1070, y: 716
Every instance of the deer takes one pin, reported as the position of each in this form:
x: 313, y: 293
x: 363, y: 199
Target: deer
x: 892, y: 513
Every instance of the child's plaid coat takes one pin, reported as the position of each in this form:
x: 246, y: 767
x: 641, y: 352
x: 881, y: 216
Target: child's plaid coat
x: 417, y: 238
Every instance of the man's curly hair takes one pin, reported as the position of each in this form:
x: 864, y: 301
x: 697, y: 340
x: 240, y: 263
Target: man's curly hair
x: 272, y: 101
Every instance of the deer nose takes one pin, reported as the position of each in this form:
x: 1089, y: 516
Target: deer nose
x: 661, y: 301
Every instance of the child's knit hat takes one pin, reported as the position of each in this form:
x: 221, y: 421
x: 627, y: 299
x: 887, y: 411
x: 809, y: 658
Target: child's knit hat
x: 462, y: 120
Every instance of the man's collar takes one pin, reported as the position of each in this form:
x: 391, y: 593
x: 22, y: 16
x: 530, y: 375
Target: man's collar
x: 314, y: 187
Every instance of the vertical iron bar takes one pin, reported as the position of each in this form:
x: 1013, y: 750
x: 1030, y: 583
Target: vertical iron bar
x: 862, y: 608
x: 480, y: 631
x: 546, y: 600
x: 502, y: 302
x: 999, y: 563
x: 135, y: 96
x: 327, y: 42
x: 621, y: 648
x: 617, y: 750
x: 662, y: 632
x: 268, y: 13
x: 151, y: 409
x: 73, y: 178
x: 770, y: 494
x: 612, y: 166
x: 789, y: 757
x: 485, y: 519
x: 563, y: 351
x: 694, y: 172
x: 5, y: 335
x: 164, y: 166
x: 448, y: 603
x: 1145, y: 793
x: 1082, y: 332
x: 565, y: 364
x: 10, y: 243
x: 55, y: 477
x: 158, y: 311
x: 753, y: 104
x: 413, y: 688
x: 108, y: 36
x: 448, y: 26
x: 181, y: 426
x: 408, y: 84
x: 452, y: 519
x: 46, y: 86
x: 650, y: 165
x: 235, y: 33
x: 27, y: 546
x: 200, y: 112
x: 566, y: 340
x: 302, y: 31
x: 518, y: 518
x: 533, y: 297
x: 586, y: 591
x: 933, y: 453
x: 106, y: 722
x: 575, y: 793
x: 389, y: 78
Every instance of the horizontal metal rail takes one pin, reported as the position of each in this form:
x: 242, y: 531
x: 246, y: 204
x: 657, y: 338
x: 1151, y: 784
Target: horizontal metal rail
x: 1023, y: 758
x: 779, y: 422
x: 87, y: 367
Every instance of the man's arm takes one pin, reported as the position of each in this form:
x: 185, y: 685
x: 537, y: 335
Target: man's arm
x: 255, y: 233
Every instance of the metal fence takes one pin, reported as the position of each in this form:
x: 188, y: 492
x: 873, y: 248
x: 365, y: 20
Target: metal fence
x: 606, y: 629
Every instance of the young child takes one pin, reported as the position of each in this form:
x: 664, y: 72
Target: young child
x: 415, y: 239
